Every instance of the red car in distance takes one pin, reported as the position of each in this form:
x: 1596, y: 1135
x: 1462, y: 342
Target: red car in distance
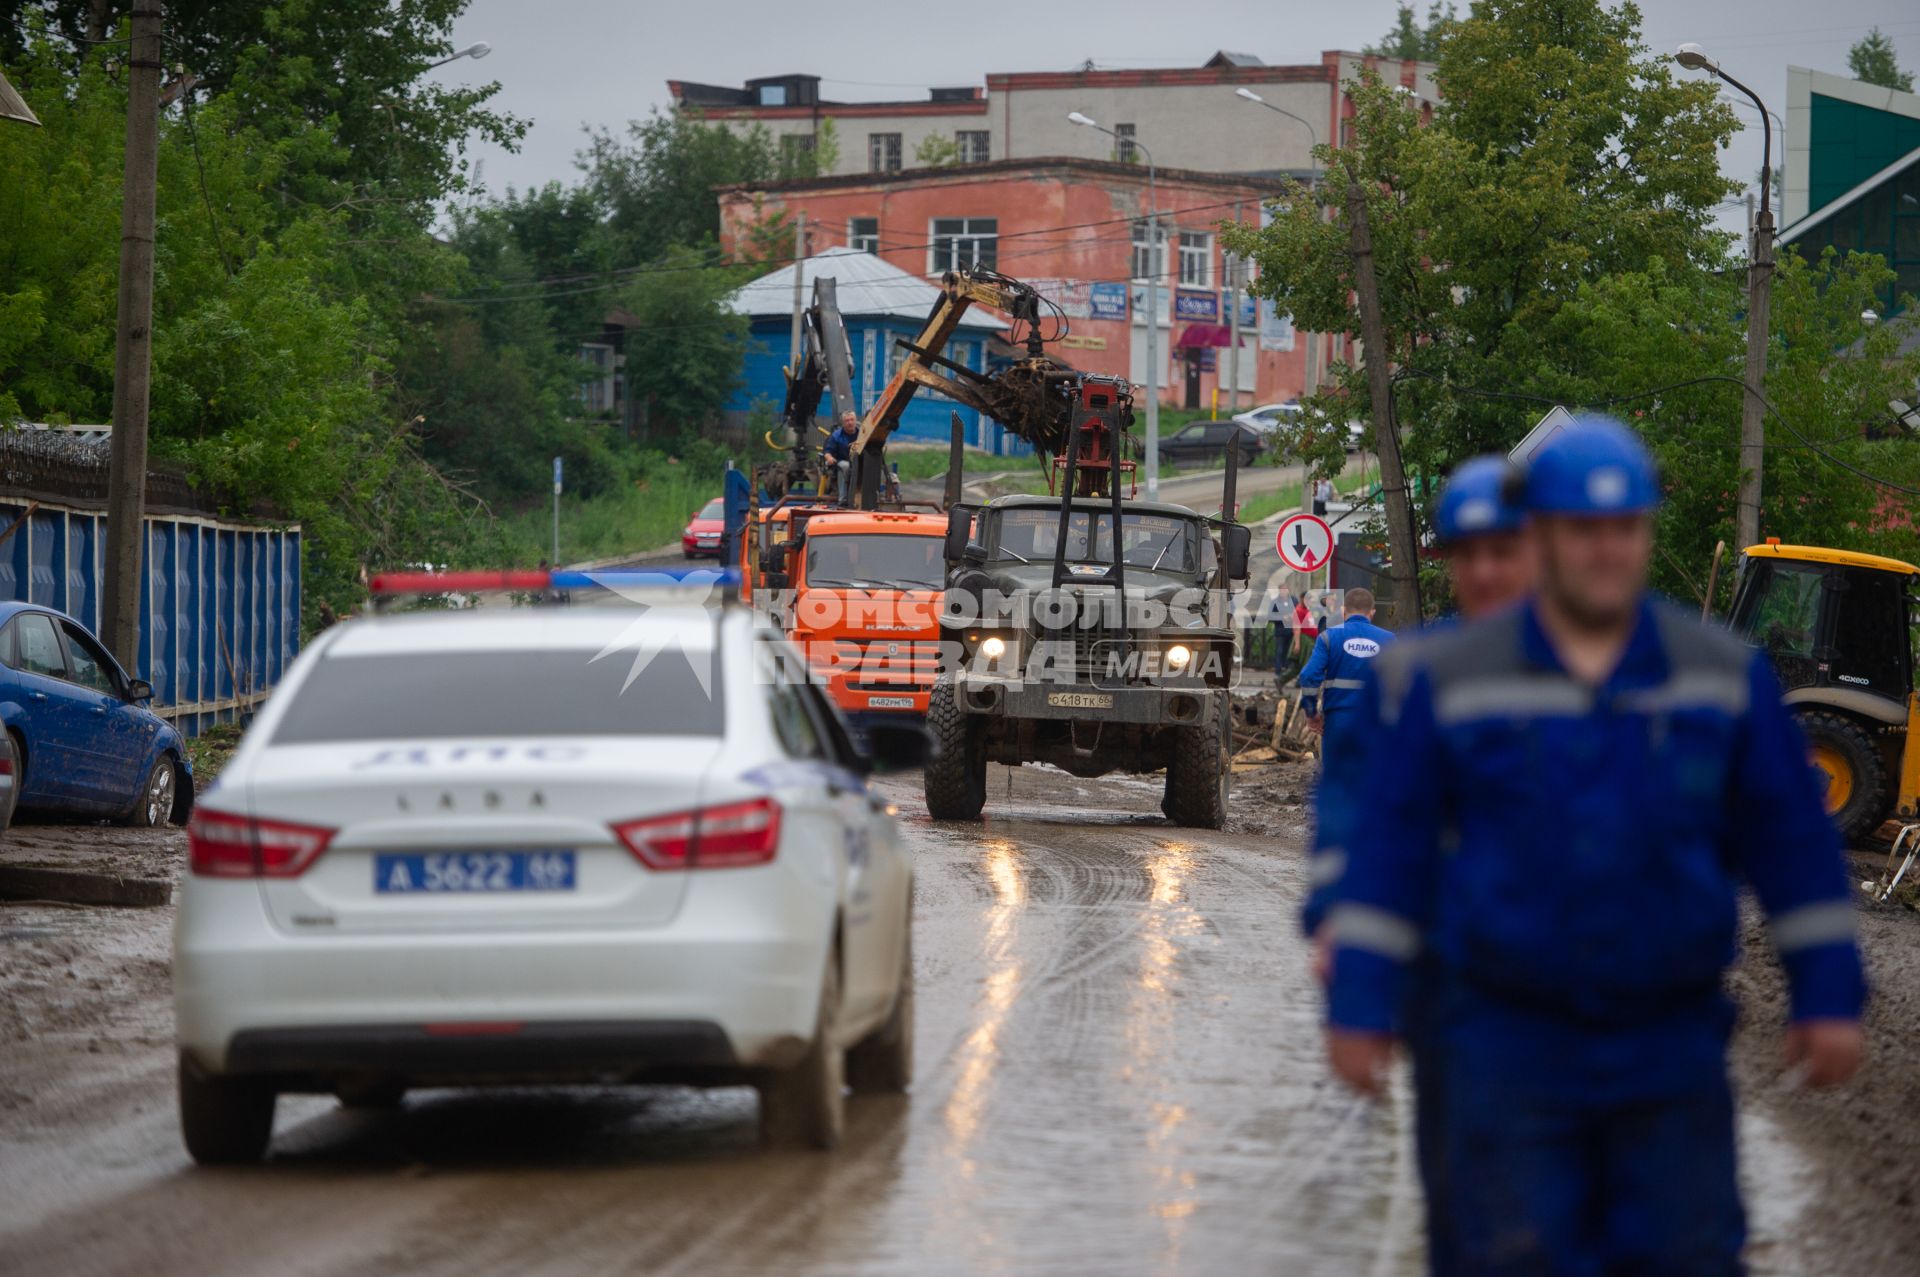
x: 702, y: 535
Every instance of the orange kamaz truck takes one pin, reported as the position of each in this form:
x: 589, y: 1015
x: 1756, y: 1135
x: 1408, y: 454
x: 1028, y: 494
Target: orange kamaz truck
x: 864, y: 605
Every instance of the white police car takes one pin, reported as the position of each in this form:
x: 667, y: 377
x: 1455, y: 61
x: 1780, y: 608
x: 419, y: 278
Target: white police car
x: 567, y: 845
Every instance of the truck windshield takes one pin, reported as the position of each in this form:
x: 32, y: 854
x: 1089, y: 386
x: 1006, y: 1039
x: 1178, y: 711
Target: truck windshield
x: 876, y: 561
x: 1154, y: 541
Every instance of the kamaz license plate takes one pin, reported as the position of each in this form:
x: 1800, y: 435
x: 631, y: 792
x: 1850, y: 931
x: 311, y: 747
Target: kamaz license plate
x: 1079, y: 700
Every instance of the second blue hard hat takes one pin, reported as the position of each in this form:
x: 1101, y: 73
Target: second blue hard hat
x: 1595, y: 466
x: 1478, y: 498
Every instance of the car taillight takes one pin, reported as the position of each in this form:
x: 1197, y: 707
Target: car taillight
x: 223, y: 845
x: 6, y: 764
x: 722, y: 837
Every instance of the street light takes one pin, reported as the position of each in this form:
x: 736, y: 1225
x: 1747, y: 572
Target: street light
x: 477, y: 50
x: 1759, y: 301
x: 1312, y: 353
x: 1154, y: 259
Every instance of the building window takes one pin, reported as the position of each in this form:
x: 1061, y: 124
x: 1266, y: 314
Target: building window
x: 1196, y: 259
x: 773, y: 95
x: 963, y: 242
x: 598, y: 389
x: 1123, y: 148
x: 1144, y: 263
x: 796, y: 153
x: 883, y: 152
x: 973, y: 146
x: 863, y: 234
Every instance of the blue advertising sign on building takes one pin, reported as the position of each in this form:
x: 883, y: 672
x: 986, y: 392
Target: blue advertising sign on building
x: 1108, y: 301
x: 1204, y: 307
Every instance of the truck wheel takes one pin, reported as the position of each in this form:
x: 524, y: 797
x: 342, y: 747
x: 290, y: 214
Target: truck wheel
x: 1198, y: 777
x: 805, y: 1107
x: 882, y: 1064
x: 225, y: 1121
x: 955, y: 778
x: 1854, y: 771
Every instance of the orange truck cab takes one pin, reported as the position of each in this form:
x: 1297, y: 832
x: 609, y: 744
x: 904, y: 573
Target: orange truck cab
x: 865, y: 608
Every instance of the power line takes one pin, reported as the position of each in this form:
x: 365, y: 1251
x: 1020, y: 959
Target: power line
x: 657, y: 267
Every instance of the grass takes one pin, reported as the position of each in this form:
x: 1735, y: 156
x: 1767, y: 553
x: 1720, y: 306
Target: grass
x: 1264, y: 505
x: 645, y: 515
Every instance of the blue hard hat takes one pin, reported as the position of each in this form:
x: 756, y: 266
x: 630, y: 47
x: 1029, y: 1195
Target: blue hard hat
x: 1479, y: 497
x: 1594, y: 466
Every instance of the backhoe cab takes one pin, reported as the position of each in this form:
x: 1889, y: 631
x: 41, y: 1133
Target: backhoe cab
x: 1843, y: 632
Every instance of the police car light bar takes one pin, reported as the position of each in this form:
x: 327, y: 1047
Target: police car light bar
x: 622, y: 580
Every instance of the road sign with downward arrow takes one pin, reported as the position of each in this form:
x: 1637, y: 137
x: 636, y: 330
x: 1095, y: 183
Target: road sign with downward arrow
x: 1305, y: 541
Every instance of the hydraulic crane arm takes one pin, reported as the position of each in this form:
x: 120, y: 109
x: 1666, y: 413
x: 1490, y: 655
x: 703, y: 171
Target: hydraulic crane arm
x: 959, y: 290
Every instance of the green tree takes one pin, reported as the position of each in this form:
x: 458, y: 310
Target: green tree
x: 1409, y: 39
x: 1550, y: 237
x: 937, y: 151
x: 1874, y: 60
x: 654, y: 186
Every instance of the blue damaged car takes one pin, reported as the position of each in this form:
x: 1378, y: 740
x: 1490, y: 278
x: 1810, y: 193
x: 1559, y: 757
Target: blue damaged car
x: 79, y: 738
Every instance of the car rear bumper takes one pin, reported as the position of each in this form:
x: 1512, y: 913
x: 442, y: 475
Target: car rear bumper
x: 483, y: 1050
x: 744, y: 964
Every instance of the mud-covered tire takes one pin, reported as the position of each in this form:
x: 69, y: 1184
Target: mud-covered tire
x: 159, y: 795
x: 1198, y: 778
x: 955, y: 778
x: 11, y: 753
x: 1858, y: 784
x: 224, y: 1121
x: 882, y: 1063
x: 805, y: 1107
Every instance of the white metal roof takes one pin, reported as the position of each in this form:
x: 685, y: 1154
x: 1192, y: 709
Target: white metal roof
x: 867, y: 286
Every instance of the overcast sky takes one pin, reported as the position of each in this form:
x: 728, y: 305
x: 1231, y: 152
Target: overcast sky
x: 569, y: 64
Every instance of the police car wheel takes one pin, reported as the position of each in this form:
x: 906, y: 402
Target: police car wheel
x: 1853, y: 770
x: 805, y: 1107
x: 955, y: 778
x: 882, y: 1063
x: 224, y: 1121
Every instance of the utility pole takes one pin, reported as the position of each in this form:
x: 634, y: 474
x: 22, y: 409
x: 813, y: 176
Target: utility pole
x: 1233, y: 265
x: 133, y: 347
x: 1154, y: 257
x: 799, y: 290
x: 1401, y: 547
x: 1753, y: 426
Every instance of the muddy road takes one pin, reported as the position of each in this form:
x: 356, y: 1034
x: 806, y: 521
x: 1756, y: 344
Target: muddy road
x: 1118, y: 1073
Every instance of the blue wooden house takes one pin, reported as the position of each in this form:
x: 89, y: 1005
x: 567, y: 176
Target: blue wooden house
x: 881, y: 305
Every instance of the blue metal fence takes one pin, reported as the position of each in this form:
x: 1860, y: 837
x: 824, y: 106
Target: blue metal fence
x: 219, y: 601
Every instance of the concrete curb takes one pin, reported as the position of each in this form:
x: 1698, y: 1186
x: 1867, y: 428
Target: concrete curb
x: 79, y: 887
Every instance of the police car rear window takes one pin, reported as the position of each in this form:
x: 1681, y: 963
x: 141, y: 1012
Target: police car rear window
x: 477, y: 695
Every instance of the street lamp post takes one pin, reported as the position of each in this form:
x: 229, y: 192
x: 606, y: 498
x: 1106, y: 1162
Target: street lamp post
x: 1154, y: 259
x: 1759, y: 304
x: 1311, y: 379
x: 477, y: 50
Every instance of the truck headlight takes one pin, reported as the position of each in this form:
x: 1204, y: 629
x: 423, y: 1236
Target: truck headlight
x: 993, y: 647
x: 1179, y: 656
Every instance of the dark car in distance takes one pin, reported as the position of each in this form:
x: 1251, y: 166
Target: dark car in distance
x: 79, y: 738
x: 1205, y: 442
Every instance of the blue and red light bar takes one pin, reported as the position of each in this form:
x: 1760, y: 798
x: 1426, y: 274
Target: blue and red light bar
x: 531, y: 579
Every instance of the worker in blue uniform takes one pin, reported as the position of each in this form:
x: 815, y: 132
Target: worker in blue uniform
x: 1330, y: 684
x: 1480, y: 526
x: 1567, y: 798
x: 1479, y: 523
